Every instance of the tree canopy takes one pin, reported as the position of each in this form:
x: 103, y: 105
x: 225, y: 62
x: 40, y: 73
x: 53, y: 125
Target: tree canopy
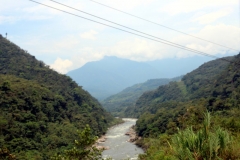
x: 40, y: 109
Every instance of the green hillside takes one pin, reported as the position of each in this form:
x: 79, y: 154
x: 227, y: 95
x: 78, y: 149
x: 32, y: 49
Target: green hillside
x: 40, y: 109
x: 214, y: 86
x: 192, y: 86
x: 118, y: 103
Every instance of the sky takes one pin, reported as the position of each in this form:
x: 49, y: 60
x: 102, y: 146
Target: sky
x: 67, y: 42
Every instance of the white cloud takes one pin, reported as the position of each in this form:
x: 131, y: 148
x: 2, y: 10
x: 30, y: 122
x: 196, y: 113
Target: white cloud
x: 126, y: 4
x: 61, y: 65
x: 36, y: 8
x: 186, y: 6
x: 11, y: 5
x: 67, y: 42
x: 211, y: 17
x: 145, y: 50
x: 85, y: 55
x: 136, y: 49
x: 7, y: 19
x: 222, y: 34
x: 91, y: 35
x: 67, y: 36
x: 17, y: 10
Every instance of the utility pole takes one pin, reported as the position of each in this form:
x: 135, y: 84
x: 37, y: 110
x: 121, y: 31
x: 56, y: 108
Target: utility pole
x: 6, y: 35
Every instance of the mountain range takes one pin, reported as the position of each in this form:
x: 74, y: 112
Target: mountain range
x: 41, y: 110
x: 111, y: 75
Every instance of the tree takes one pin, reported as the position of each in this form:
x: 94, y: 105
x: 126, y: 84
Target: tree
x: 83, y: 149
x: 6, y: 86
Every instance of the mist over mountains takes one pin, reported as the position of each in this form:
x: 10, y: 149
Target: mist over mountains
x: 111, y: 75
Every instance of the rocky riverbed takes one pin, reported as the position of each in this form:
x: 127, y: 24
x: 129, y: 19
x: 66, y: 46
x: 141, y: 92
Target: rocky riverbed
x: 132, y: 134
x: 117, y: 142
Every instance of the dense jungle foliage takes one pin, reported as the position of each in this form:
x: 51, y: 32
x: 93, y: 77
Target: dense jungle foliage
x: 215, y: 86
x: 118, y: 103
x: 40, y: 109
x: 191, y: 87
x: 84, y: 148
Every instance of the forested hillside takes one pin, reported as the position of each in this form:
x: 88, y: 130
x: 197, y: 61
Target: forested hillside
x: 40, y: 109
x: 215, y: 86
x: 118, y: 104
x: 192, y: 86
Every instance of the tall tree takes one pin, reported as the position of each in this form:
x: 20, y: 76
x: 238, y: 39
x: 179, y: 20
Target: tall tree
x: 83, y: 149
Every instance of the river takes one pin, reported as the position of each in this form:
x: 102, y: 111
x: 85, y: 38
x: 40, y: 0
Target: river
x: 117, y: 141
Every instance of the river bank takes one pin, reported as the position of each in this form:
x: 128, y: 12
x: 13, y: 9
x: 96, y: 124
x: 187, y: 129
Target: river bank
x: 133, y: 135
x: 103, y: 138
x: 118, y: 143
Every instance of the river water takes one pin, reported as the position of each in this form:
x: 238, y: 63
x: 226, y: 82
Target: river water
x: 117, y: 141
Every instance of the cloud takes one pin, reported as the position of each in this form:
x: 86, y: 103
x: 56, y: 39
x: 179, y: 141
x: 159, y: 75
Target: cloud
x: 7, y: 19
x: 61, y: 65
x: 19, y: 11
x: 211, y: 17
x: 12, y: 5
x: 145, y: 50
x: 75, y: 55
x: 187, y: 6
x: 126, y: 4
x: 225, y: 35
x: 91, y: 35
x: 40, y: 9
x: 136, y: 49
x: 86, y: 55
x: 67, y: 42
x: 13, y: 12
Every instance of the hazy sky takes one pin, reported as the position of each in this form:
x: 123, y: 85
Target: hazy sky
x: 66, y: 42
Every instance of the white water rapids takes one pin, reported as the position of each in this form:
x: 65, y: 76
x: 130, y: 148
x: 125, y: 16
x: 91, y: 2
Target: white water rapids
x: 117, y: 141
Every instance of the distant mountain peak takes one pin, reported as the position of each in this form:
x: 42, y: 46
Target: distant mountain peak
x: 115, y: 58
x: 111, y: 57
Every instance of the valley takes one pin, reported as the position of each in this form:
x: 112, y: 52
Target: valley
x: 119, y: 80
x: 43, y: 119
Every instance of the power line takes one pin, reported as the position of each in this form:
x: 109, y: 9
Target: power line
x: 166, y: 42
x: 123, y: 26
x: 162, y: 25
x: 171, y: 44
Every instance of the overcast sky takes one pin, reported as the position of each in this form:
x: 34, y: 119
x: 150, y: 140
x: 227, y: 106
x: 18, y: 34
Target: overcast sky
x: 66, y: 42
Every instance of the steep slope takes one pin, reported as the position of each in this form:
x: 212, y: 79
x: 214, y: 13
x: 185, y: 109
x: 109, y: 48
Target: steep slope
x: 117, y: 103
x: 196, y: 81
x: 40, y: 110
x: 111, y: 75
x: 225, y: 88
x: 215, y: 86
x: 193, y: 85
